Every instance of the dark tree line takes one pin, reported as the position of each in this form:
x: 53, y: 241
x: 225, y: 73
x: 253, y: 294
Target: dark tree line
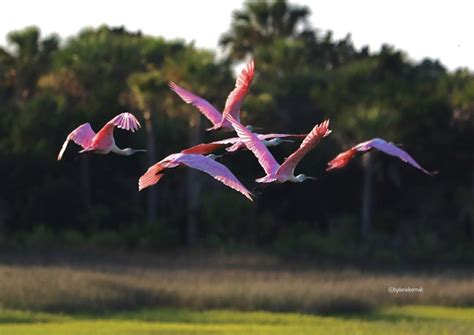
x: 375, y: 206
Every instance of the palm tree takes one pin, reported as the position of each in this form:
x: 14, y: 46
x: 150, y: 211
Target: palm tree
x: 261, y: 22
x: 146, y: 88
x: 32, y: 57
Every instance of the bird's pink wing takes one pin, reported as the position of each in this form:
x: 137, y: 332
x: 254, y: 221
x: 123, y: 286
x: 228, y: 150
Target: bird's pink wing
x: 310, y: 141
x: 392, y: 150
x: 207, y: 148
x: 125, y: 121
x: 156, y: 171
x: 251, y: 141
x: 82, y: 136
x: 203, y: 148
x: 236, y: 146
x: 270, y: 136
x: 236, y: 98
x: 151, y: 176
x: 342, y: 159
x: 216, y: 170
x: 208, y: 110
x: 239, y: 144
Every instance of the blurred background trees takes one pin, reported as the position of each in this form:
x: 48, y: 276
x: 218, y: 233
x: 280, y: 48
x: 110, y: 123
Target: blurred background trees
x: 376, y: 207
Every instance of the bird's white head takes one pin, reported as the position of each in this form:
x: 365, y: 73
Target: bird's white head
x: 301, y: 178
x: 252, y: 128
x: 276, y: 141
x: 130, y: 151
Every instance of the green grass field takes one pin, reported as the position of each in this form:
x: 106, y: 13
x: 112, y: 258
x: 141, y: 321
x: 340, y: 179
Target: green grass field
x: 146, y: 294
x: 395, y: 320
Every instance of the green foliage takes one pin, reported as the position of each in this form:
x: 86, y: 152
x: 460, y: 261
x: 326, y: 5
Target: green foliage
x: 302, y: 77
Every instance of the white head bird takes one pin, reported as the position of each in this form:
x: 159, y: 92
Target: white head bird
x: 274, y: 171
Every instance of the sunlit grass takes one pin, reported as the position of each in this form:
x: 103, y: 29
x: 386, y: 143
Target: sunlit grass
x: 249, y: 295
x: 395, y: 320
x: 248, y: 285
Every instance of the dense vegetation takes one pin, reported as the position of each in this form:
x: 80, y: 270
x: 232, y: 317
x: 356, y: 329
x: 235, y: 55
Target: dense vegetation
x: 48, y: 87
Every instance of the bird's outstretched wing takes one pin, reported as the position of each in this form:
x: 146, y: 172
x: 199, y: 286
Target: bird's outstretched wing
x: 207, y: 148
x: 151, y: 176
x: 271, y: 136
x: 208, y: 110
x: 156, y: 171
x: 254, y: 144
x: 310, y: 141
x: 198, y: 162
x: 240, y: 145
x: 203, y: 148
x: 341, y: 160
x: 236, y: 98
x: 216, y: 170
x: 392, y: 150
x: 125, y: 121
x: 82, y: 136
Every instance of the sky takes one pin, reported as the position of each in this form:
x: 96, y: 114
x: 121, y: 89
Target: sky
x: 437, y: 29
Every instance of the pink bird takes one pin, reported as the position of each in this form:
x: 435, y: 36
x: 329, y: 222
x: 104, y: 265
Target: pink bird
x: 199, y: 162
x: 103, y: 142
x: 391, y: 149
x: 233, y: 103
x: 235, y: 143
x: 274, y: 171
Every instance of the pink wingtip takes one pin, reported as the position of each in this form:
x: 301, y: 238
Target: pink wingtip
x: 341, y: 160
x: 246, y: 76
x: 151, y: 177
x: 251, y: 68
x: 179, y: 91
x: 172, y: 85
x: 126, y: 121
x: 323, y: 128
x: 249, y: 196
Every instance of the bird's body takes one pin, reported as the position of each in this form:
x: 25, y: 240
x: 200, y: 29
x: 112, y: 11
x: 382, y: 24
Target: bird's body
x: 103, y: 142
x: 233, y: 103
x: 195, y: 161
x: 274, y: 171
x: 235, y: 143
x: 391, y: 149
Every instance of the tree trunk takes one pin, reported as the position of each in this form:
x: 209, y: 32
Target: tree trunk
x: 151, y: 159
x: 367, y: 194
x: 193, y: 186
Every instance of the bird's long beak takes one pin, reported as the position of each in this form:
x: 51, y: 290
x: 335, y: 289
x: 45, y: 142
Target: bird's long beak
x: 311, y: 178
x: 139, y: 150
x: 289, y: 141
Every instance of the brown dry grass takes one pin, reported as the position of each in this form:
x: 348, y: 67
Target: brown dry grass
x: 245, y: 282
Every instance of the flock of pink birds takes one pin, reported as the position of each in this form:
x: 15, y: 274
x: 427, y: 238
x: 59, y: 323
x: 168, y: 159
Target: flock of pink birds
x: 201, y: 156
